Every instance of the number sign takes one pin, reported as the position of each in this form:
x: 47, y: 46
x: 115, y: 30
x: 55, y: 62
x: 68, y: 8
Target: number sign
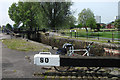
x: 44, y: 60
x: 47, y: 60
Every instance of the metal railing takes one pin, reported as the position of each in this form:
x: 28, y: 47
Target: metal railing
x: 111, y: 36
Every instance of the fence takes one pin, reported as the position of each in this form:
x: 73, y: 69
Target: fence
x: 110, y: 36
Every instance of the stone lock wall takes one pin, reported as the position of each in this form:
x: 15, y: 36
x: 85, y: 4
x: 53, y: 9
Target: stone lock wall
x: 96, y: 49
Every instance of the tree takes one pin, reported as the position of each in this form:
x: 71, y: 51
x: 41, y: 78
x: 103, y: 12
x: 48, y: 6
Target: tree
x: 91, y: 23
x: 55, y: 13
x: 79, y: 25
x: 86, y: 18
x: 40, y: 14
x: 70, y: 21
x: 25, y: 13
x: 98, y: 27
x: 8, y: 26
x: 117, y: 23
x: 12, y: 12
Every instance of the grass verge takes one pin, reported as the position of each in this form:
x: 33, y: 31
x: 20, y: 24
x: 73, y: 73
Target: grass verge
x: 23, y: 45
x: 89, y: 39
x: 82, y: 33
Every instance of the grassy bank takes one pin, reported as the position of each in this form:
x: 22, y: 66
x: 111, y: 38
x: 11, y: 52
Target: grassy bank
x: 82, y: 33
x: 23, y: 45
x: 90, y: 39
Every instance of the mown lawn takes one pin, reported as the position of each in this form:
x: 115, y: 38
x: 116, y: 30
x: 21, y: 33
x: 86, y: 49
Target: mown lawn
x: 83, y: 33
x: 23, y: 45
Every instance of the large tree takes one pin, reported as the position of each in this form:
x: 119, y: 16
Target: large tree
x: 55, y: 13
x: 86, y: 18
x: 42, y: 14
x: 25, y: 13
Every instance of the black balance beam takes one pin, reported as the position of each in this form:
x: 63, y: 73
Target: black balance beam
x: 87, y: 61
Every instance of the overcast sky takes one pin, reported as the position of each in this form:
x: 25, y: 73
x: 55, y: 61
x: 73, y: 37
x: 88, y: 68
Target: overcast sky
x: 107, y: 9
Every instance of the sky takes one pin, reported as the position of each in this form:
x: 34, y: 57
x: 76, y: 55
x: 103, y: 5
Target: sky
x: 107, y: 9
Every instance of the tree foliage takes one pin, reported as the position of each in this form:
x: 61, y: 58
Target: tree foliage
x: 55, y: 13
x: 8, y: 26
x: 23, y: 12
x: 117, y: 23
x: 70, y: 21
x: 98, y: 26
x: 42, y: 14
x: 86, y: 18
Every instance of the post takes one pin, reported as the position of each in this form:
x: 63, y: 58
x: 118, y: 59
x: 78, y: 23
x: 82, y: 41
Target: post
x: 112, y: 36
x: 71, y: 33
x: 98, y: 35
x: 87, y: 34
x: 23, y: 35
x: 75, y: 33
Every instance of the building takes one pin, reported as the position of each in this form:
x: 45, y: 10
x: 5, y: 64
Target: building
x: 119, y: 9
x: 110, y: 25
x: 98, y: 19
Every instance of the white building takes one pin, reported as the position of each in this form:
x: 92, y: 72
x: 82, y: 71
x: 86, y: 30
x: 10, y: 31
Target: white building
x: 119, y: 9
x: 98, y: 19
